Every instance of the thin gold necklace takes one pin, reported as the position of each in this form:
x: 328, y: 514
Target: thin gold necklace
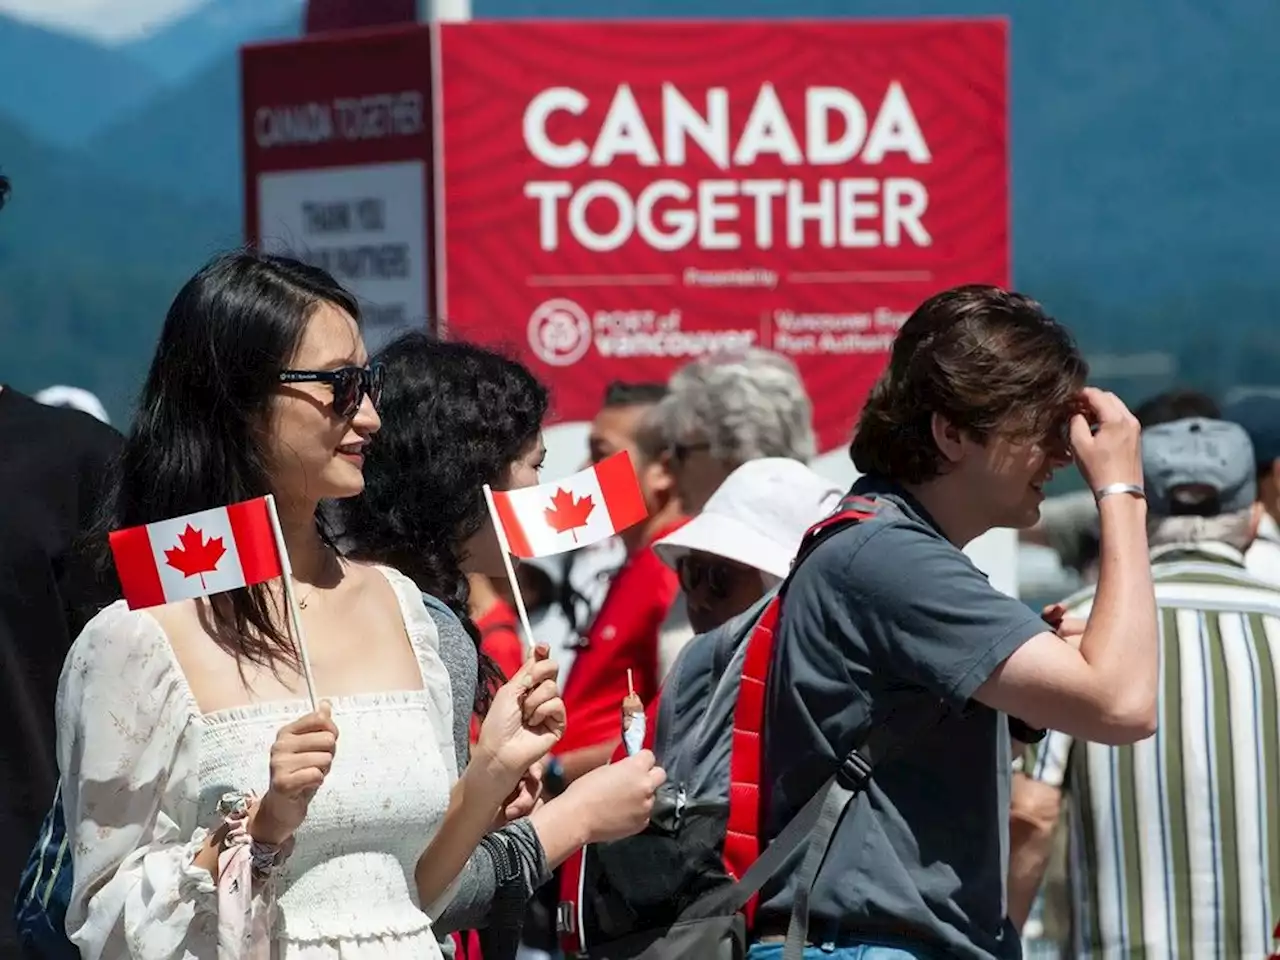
x: 302, y: 603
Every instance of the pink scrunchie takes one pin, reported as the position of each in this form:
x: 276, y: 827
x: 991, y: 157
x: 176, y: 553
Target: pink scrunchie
x: 242, y: 933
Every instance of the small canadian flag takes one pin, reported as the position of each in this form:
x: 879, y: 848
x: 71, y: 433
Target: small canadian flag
x: 193, y: 556
x: 590, y: 506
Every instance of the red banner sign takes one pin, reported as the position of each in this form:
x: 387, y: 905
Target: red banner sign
x: 621, y: 198
x: 337, y: 143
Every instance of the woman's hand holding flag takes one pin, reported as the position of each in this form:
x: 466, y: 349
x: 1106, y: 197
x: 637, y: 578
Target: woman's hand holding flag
x: 525, y: 720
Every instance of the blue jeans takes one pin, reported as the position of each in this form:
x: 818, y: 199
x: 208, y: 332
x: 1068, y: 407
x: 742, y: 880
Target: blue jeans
x: 863, y: 951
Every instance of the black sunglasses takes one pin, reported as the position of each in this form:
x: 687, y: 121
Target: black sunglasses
x: 719, y: 575
x: 350, y: 385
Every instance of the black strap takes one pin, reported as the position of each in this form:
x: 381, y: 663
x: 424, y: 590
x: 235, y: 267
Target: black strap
x: 852, y: 779
x: 733, y: 897
x: 815, y: 822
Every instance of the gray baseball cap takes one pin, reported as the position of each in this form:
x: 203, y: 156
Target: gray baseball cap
x: 1198, y: 452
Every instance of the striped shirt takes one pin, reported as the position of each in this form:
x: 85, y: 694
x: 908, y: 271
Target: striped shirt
x: 1175, y: 841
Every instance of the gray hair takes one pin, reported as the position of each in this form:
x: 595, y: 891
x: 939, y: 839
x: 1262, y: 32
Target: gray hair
x: 1234, y: 529
x: 745, y: 405
x: 651, y: 434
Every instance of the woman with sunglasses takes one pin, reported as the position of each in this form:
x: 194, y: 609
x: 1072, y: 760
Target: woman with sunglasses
x: 456, y: 417
x: 183, y: 731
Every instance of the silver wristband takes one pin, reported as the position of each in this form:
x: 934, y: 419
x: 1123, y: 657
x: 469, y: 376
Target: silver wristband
x: 1110, y: 488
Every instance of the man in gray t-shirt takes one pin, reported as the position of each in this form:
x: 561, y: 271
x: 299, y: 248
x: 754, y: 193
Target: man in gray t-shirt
x: 983, y: 399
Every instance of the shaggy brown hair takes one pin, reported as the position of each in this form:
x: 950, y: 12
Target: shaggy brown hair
x: 985, y: 359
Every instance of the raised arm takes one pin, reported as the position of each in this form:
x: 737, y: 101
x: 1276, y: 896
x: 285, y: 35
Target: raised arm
x: 1106, y: 689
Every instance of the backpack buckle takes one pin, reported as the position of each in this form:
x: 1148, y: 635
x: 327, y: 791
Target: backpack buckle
x: 566, y: 919
x: 854, y: 772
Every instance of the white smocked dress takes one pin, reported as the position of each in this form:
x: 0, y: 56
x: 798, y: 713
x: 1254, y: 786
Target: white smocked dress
x: 143, y: 770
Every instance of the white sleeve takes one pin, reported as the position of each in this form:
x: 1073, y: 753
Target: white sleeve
x: 435, y: 678
x: 425, y: 638
x: 128, y: 755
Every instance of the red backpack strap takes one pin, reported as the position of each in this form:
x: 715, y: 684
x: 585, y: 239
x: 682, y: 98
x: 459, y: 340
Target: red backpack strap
x: 746, y: 755
x: 742, y: 833
x: 852, y: 509
x: 569, y: 910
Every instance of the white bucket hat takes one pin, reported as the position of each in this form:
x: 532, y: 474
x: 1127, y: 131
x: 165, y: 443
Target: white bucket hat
x: 757, y: 517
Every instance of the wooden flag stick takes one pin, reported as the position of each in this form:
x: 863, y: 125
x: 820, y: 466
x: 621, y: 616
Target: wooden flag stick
x: 631, y: 687
x: 511, y: 571
x: 295, y: 618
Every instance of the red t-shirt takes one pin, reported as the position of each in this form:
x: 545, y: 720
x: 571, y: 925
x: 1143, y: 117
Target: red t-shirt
x: 623, y: 635
x: 500, y: 637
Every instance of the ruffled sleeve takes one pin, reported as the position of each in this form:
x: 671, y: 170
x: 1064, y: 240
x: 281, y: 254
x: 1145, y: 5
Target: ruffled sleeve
x: 425, y: 638
x: 128, y: 754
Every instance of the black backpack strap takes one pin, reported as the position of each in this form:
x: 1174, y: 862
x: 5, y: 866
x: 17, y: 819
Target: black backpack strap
x: 839, y: 792
x: 827, y: 807
x: 816, y: 823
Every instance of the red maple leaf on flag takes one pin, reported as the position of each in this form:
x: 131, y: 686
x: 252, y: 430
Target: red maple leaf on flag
x: 565, y: 513
x: 196, y: 556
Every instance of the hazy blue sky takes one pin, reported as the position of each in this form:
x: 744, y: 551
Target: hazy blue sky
x: 112, y: 21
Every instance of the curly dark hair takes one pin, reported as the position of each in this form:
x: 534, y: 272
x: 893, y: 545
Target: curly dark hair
x: 454, y: 417
x: 984, y: 358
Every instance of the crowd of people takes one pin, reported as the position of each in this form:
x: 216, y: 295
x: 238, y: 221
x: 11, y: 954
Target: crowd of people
x: 452, y: 765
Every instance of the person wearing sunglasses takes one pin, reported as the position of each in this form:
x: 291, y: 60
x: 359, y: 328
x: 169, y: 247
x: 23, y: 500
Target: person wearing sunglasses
x: 350, y: 385
x: 724, y: 410
x: 742, y: 543
x: 184, y: 731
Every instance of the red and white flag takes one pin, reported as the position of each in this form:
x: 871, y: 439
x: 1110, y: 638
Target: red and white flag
x: 193, y: 556
x: 590, y: 506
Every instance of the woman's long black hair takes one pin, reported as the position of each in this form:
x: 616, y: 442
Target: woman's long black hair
x: 196, y: 437
x: 454, y: 417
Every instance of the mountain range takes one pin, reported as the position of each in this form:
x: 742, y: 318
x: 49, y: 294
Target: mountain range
x: 125, y: 164
x: 190, y: 45
x: 1144, y: 132
x: 64, y: 89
